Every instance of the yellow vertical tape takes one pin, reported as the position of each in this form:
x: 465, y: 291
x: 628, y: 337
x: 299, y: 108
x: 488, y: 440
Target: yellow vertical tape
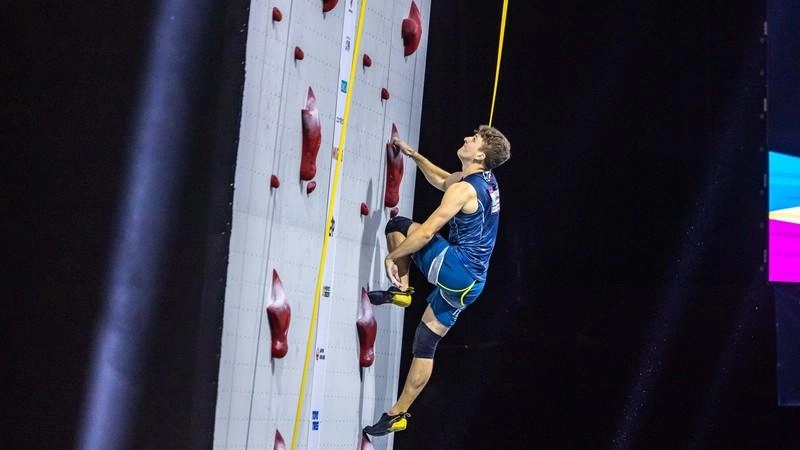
x: 499, y: 57
x: 326, y: 237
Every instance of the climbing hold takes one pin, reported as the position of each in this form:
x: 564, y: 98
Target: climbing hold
x: 277, y: 16
x: 274, y: 182
x: 394, y: 212
x: 366, y: 60
x: 412, y: 30
x: 367, y: 330
x: 298, y: 54
x: 394, y: 172
x: 328, y: 5
x: 279, y: 443
x: 310, y: 187
x: 280, y: 315
x: 384, y: 94
x: 312, y: 136
x: 364, y: 209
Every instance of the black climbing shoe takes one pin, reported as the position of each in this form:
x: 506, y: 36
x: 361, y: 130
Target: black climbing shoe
x: 388, y: 424
x: 392, y: 295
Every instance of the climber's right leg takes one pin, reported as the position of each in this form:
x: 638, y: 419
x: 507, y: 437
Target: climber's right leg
x: 397, y: 229
x: 428, y: 259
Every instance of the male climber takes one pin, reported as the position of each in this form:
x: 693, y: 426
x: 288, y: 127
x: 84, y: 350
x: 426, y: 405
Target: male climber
x: 456, y: 266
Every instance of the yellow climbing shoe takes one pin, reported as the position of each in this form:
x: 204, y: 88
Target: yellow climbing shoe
x: 388, y: 424
x: 392, y: 295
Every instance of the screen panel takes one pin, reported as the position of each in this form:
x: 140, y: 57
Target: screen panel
x: 783, y: 139
x: 784, y: 217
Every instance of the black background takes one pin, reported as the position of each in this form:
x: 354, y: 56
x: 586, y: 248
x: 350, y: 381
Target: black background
x: 631, y: 235
x: 783, y: 67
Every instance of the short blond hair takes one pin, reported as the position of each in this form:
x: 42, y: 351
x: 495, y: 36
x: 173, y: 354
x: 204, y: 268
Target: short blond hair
x: 495, y: 146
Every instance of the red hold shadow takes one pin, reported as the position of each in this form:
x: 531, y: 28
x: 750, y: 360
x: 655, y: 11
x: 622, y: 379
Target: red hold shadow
x: 279, y: 315
x: 279, y: 443
x: 312, y: 136
x: 366, y: 444
x: 394, y: 172
x: 412, y: 30
x: 367, y: 330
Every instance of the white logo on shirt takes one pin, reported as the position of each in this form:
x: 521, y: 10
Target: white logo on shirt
x: 495, y: 194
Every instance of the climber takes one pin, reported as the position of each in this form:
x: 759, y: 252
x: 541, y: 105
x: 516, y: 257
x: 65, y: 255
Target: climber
x: 456, y: 266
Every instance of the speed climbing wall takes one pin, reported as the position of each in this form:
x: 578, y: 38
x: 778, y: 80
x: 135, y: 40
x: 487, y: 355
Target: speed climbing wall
x: 298, y: 74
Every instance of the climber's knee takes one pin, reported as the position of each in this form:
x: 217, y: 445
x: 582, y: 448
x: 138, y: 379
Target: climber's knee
x: 398, y: 224
x: 425, y: 342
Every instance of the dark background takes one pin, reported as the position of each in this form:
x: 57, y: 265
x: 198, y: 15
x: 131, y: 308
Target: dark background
x: 783, y: 67
x: 626, y: 305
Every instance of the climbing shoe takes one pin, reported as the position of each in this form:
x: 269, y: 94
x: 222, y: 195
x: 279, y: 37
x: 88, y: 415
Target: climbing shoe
x: 392, y: 295
x: 388, y: 424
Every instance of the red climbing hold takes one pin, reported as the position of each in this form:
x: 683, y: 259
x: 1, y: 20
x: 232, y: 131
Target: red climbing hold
x: 279, y: 315
x: 310, y: 187
x: 366, y: 60
x: 384, y: 94
x: 394, y: 212
x: 328, y: 5
x: 412, y: 30
x: 277, y: 16
x: 312, y: 136
x: 364, y: 209
x: 298, y: 54
x: 274, y: 182
x: 367, y: 330
x: 279, y: 443
x: 394, y: 172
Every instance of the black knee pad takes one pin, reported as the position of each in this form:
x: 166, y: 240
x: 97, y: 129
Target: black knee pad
x: 425, y: 342
x: 399, y: 224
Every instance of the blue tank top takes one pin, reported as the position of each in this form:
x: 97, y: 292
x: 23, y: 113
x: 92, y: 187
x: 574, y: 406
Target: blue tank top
x: 472, y: 236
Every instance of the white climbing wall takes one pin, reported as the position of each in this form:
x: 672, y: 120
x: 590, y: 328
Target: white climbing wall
x: 282, y: 229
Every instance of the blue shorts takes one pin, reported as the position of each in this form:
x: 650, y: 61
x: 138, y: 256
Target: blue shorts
x: 455, y: 288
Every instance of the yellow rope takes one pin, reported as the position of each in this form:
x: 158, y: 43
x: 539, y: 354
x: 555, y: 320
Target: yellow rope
x: 329, y: 218
x: 499, y: 57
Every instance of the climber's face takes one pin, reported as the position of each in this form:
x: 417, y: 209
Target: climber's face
x: 471, y: 150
